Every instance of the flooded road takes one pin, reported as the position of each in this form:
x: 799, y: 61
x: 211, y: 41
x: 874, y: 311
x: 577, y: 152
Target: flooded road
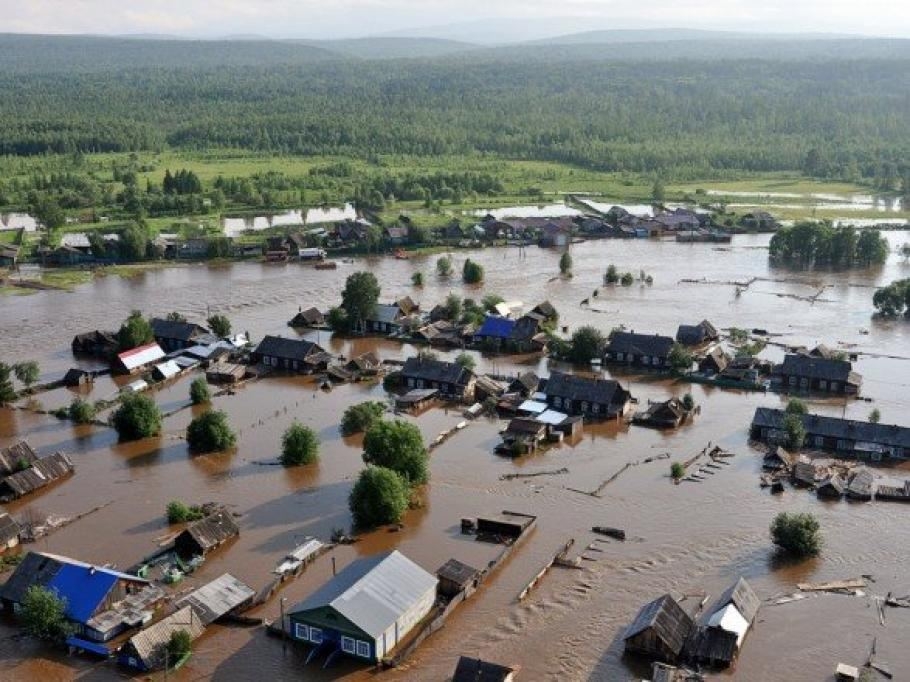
x: 684, y: 539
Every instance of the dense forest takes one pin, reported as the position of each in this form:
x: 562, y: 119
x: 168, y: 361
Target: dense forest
x: 681, y: 119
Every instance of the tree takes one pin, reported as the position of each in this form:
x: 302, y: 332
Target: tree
x: 677, y: 470
x: 337, y: 320
x: 397, y: 445
x: 472, y: 273
x: 794, y: 432
x: 199, y: 391
x: 7, y: 392
x: 875, y: 416
x: 179, y: 646
x: 379, y: 496
x: 658, y: 193
x: 680, y: 358
x: 466, y: 360
x: 587, y: 344
x: 796, y: 534
x: 137, y: 417
x: 27, y: 372
x: 796, y: 406
x: 220, y: 325
x: 871, y: 247
x: 178, y: 512
x: 81, y: 411
x: 612, y: 274
x: 453, y: 307
x: 490, y: 301
x: 417, y: 279
x: 444, y: 266
x: 134, y: 242
x: 174, y: 316
x: 359, y: 297
x: 134, y: 332
x: 627, y: 279
x: 210, y: 432
x: 44, y: 614
x: 299, y: 445
x: 893, y: 299
x: 565, y: 263
x: 688, y: 402
x: 48, y: 213
x: 359, y: 418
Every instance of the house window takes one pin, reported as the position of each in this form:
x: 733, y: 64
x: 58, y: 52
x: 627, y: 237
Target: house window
x: 620, y: 356
x: 595, y: 408
x: 804, y: 383
x: 557, y: 401
x: 567, y: 404
x: 410, y: 383
x: 301, y: 631
x: 315, y: 635
x: 792, y: 381
x: 347, y: 645
x: 363, y: 649
x: 835, y: 386
x: 819, y: 441
x: 645, y: 360
x: 584, y: 406
x: 841, y: 445
x: 823, y: 385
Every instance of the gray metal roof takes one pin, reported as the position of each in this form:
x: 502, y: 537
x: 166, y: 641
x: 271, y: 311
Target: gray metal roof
x: 215, y: 599
x: 373, y: 592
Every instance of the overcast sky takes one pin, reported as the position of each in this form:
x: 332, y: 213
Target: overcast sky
x: 350, y: 18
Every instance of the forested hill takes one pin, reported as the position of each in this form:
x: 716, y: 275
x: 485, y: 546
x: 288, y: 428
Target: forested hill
x: 682, y: 118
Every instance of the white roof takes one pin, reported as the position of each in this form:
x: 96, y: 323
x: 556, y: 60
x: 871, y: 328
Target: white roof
x: 532, y: 406
x: 551, y: 417
x: 142, y: 356
x: 539, y: 395
x: 75, y: 240
x: 168, y: 369
x: 136, y: 386
x: 374, y: 592
x: 731, y: 620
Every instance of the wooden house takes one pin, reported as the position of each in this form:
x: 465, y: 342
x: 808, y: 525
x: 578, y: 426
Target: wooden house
x: 589, y: 397
x: 174, y: 335
x: 476, y: 670
x: 639, y: 350
x: 810, y: 373
x: 42, y: 472
x: 291, y: 355
x: 697, y: 334
x: 456, y: 577
x: 861, y: 485
x: 522, y: 436
x: 311, y: 317
x: 453, y: 381
x: 75, y: 378
x: 205, y: 535
x: 385, y: 319
x: 97, y: 343
x: 832, y: 487
x: 147, y: 650
x: 417, y: 399
x: 778, y: 459
x: 714, y: 362
x: 660, y: 630
x: 668, y: 414
x: 524, y: 384
x: 225, y: 373
x: 804, y: 473
x: 16, y: 457
x: 367, y: 609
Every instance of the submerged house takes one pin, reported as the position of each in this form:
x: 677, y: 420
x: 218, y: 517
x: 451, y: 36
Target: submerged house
x: 832, y: 487
x: 16, y: 457
x: 174, y: 335
x: 715, y: 361
x: 218, y: 598
x: 311, y: 317
x: 138, y: 359
x: 668, y: 414
x: 698, y: 334
x: 718, y: 640
x: 98, y: 343
x: 811, y: 373
x: 639, y: 350
x: 146, y: 650
x: 477, y: 670
x: 100, y: 602
x: 385, y: 319
x: 9, y: 532
x: 453, y: 381
x: 40, y: 473
x: 865, y: 440
x: 205, y: 535
x: 367, y: 609
x: 586, y: 396
x: 291, y: 355
x: 660, y: 630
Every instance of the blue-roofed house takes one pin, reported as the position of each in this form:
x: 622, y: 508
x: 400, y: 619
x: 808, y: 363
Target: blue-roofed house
x: 100, y: 602
x: 367, y: 609
x: 495, y: 331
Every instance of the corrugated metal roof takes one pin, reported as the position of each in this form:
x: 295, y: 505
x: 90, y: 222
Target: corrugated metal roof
x: 373, y: 592
x: 84, y: 589
x: 218, y: 597
x: 141, y: 356
x: 136, y: 386
x: 11, y: 457
x: 149, y: 644
x: 168, y: 370
x: 496, y: 327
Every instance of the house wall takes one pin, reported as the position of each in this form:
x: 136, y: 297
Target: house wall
x: 809, y: 384
x: 636, y: 360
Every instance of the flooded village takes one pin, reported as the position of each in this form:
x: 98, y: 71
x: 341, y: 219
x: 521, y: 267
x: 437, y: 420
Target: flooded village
x: 580, y: 519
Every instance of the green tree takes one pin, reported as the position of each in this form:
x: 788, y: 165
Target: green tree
x: 417, y: 279
x: 359, y: 297
x: 360, y: 417
x: 796, y: 534
x: 174, y: 316
x: 794, y: 432
x: 587, y: 344
x: 179, y: 646
x: 27, y: 372
x: 871, y: 247
x: 178, y: 512
x: 299, y: 445
x: 658, y: 193
x: 680, y: 358
x: 137, y: 417
x: 612, y: 274
x: 894, y: 299
x: 337, y: 319
x: 7, y: 392
x: 134, y: 242
x: 444, y: 266
x: 48, y: 213
x: 44, y: 614
x: 379, y: 496
x: 466, y: 360
x: 796, y: 406
x: 453, y: 307
x: 565, y: 264
x: 627, y: 279
x: 397, y: 445
x: 220, y: 325
x: 134, y: 332
x: 875, y: 416
x: 199, y: 391
x: 210, y: 432
x: 490, y: 301
x: 472, y: 273
x: 677, y: 470
x: 81, y: 411
x: 688, y: 402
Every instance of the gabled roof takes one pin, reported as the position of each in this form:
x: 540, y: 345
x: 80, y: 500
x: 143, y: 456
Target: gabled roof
x: 546, y: 309
x: 168, y: 370
x: 640, y: 344
x: 527, y: 381
x: 373, y: 592
x: 42, y: 472
x: 141, y: 356
x: 150, y: 643
x: 13, y: 456
x: 476, y: 670
x: 729, y: 619
x: 287, y: 349
x: 213, y: 529
x: 741, y: 595
x: 386, y: 313
x: 817, y: 368
x: 602, y: 391
x: 215, y: 599
x: 671, y: 624
x: 696, y: 333
x: 173, y: 329
x: 436, y: 370
x: 834, y: 427
x: 496, y: 327
x: 457, y: 572
x: 307, y: 317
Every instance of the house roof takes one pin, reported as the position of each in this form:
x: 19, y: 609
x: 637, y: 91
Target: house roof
x: 436, y: 370
x: 834, y: 427
x: 696, y: 333
x: 546, y: 309
x: 287, y: 349
x: 730, y: 620
x: 215, y: 599
x: 9, y: 529
x: 150, y: 643
x: 833, y: 483
x: 172, y: 329
x: 640, y: 344
x: 671, y: 624
x: 386, y: 313
x: 818, y: 368
x: 602, y: 391
x: 10, y: 457
x: 533, y: 406
x: 476, y: 670
x: 457, y: 572
x: 525, y: 427
x: 527, y: 381
x: 141, y: 356
x: 551, y: 417
x: 741, y: 595
x: 720, y: 358
x: 373, y: 592
x: 41, y: 473
x: 308, y: 316
x: 212, y: 530
x: 168, y: 369
x: 496, y: 327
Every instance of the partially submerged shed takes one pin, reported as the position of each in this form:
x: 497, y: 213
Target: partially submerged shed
x: 506, y: 526
x: 660, y: 630
x: 146, y: 650
x: 455, y: 576
x: 218, y: 598
x: 9, y: 532
x: 476, y: 670
x: 832, y: 487
x: 42, y: 472
x: 16, y: 457
x: 205, y: 535
x: 861, y: 485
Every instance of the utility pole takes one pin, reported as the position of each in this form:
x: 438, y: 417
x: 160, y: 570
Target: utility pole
x: 284, y: 634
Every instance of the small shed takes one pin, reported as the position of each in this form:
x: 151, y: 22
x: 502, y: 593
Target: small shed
x: 218, y: 598
x: 225, y: 373
x: 146, y: 650
x: 166, y: 370
x: 832, y: 487
x: 311, y: 317
x: 804, y: 473
x: 417, y: 399
x: 455, y: 577
x: 9, y: 532
x: 861, y: 485
x: 205, y: 535
x: 75, y: 378
x: 778, y: 459
x: 509, y: 526
x: 476, y: 670
x: 660, y: 630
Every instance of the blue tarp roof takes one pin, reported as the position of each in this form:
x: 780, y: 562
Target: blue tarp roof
x: 84, y: 589
x: 91, y: 647
x: 497, y: 327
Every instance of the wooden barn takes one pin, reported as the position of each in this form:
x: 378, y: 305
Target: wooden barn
x: 205, y: 535
x: 16, y: 457
x: 455, y: 577
x: 660, y: 630
x: 146, y: 650
x: 41, y: 473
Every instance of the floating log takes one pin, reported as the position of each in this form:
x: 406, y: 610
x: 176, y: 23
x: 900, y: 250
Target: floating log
x: 832, y: 585
x: 617, y: 533
x: 552, y: 472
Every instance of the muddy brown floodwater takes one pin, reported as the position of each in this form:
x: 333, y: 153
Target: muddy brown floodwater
x: 684, y: 539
